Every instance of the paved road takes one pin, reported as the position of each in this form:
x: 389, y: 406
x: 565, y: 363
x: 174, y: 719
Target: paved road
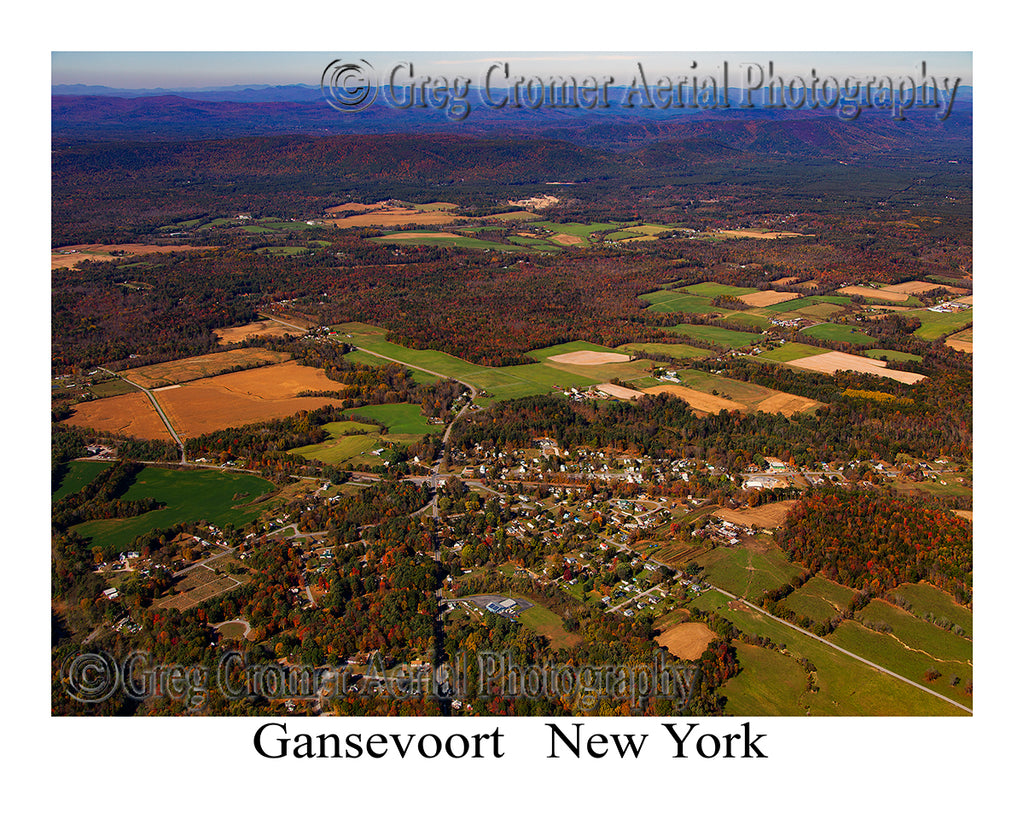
x: 875, y: 666
x: 156, y: 406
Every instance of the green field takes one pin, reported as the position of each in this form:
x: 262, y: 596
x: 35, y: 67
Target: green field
x: 746, y: 572
x: 928, y: 600
x: 769, y: 684
x: 499, y: 382
x: 790, y: 351
x: 419, y: 376
x: 934, y: 324
x: 190, y: 495
x: 400, y: 419
x: 452, y: 241
x: 820, y: 599
x: 289, y: 250
x: 671, y: 301
x: 747, y: 319
x: 742, y: 391
x: 846, y: 685
x: 716, y: 335
x: 546, y: 622
x: 79, y: 474
x: 892, y: 355
x: 839, y: 332
x: 343, y: 448
x: 807, y: 301
x: 106, y: 389
x: 671, y: 350
x: 712, y: 289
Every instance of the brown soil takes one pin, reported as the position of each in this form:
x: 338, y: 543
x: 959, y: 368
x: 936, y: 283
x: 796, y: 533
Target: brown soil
x: 768, y: 516
x: 268, y: 327
x: 130, y: 414
x: 687, y: 641
x: 588, y: 357
x: 698, y: 400
x: 766, y: 298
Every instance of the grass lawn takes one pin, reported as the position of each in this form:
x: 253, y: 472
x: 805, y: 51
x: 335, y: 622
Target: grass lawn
x: 191, y: 495
x: 78, y: 475
x: 839, y: 332
x: 716, y: 335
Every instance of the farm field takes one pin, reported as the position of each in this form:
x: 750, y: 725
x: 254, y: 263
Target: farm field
x: 671, y: 350
x: 670, y: 301
x: 198, y: 585
x: 129, y: 414
x: 201, y: 366
x: 838, y: 332
x: 383, y: 214
x: 748, y: 571
x: 265, y: 328
x: 897, y: 652
x: 79, y: 473
x: 220, y: 498
x: 790, y: 351
x: 687, y: 641
x: 713, y: 289
x: 833, y: 361
x: 874, y: 293
x: 757, y: 234
x: 892, y: 355
x: 808, y: 301
x: 716, y: 335
x: 962, y: 341
x: 765, y: 516
x: 449, y: 239
x: 935, y: 324
x: 769, y: 683
x: 917, y: 287
x: 697, y: 385
x: 71, y: 255
x: 846, y: 685
x: 820, y: 599
x: 343, y: 447
x: 767, y: 298
x: 400, y: 419
x: 926, y: 600
x: 107, y: 389
x: 244, y: 397
x: 503, y: 382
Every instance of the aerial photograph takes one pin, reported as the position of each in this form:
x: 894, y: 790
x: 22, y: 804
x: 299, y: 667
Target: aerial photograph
x: 511, y: 384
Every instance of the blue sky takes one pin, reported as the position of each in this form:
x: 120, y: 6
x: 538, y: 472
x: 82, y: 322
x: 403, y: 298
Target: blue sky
x: 171, y: 69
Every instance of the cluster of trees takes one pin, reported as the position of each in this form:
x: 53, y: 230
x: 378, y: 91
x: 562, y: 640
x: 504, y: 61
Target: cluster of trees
x: 875, y: 542
x: 101, y: 498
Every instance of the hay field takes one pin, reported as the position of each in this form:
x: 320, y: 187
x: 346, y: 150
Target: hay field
x: 766, y: 298
x: 244, y: 397
x: 698, y: 400
x: 261, y: 329
x: 129, y: 414
x: 915, y: 287
x: 619, y: 392
x: 566, y: 239
x: 767, y: 516
x: 687, y: 641
x: 70, y: 255
x: 873, y: 293
x: 786, y: 403
x: 589, y: 358
x: 833, y: 361
x: 962, y: 341
x: 201, y: 366
x: 786, y: 280
x: 383, y: 215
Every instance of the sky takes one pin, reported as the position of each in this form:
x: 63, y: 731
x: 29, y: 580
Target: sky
x: 183, y: 69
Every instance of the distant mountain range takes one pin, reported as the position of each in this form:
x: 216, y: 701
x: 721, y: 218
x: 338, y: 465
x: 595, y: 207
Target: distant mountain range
x: 81, y: 112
